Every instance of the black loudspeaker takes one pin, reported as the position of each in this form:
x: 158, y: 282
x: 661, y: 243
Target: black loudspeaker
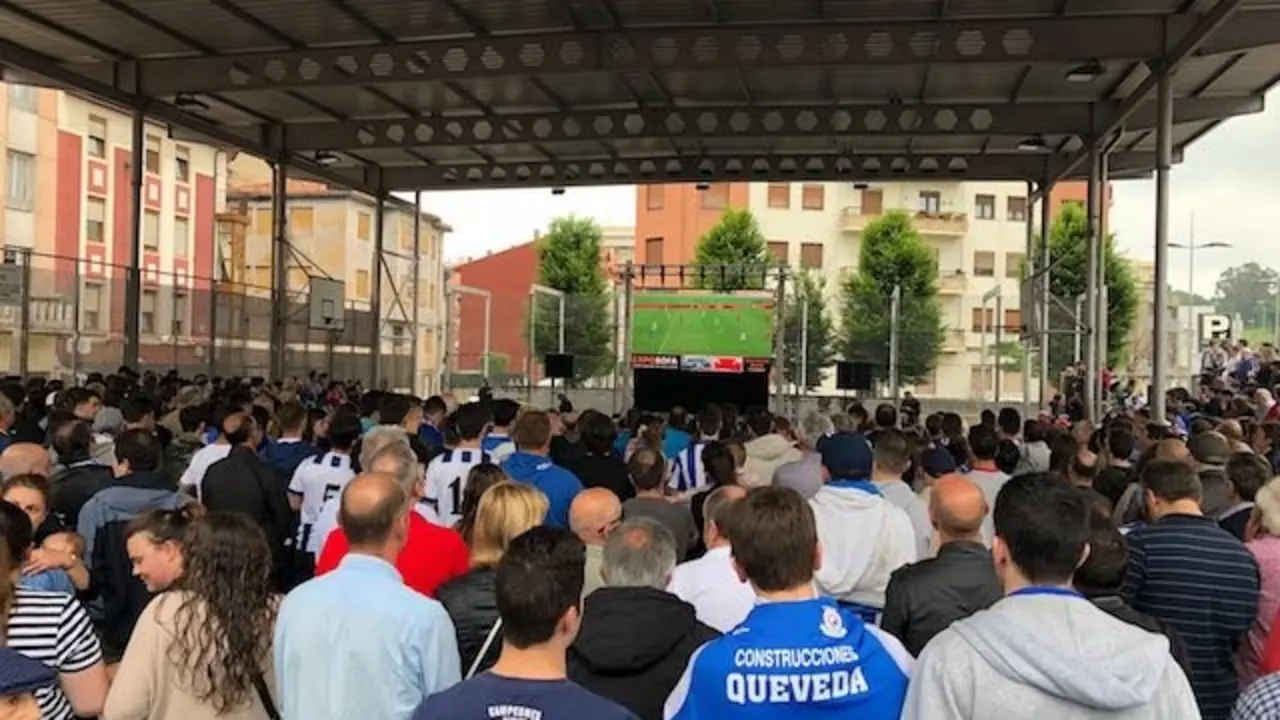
x: 853, y: 375
x: 559, y: 366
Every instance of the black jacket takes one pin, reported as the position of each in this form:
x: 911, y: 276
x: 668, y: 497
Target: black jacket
x: 606, y: 471
x: 924, y: 598
x: 1116, y: 607
x: 473, y: 608
x: 241, y: 482
x: 73, y: 485
x: 634, y: 645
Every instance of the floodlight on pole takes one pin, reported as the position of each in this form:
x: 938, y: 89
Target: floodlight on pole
x: 1191, y: 246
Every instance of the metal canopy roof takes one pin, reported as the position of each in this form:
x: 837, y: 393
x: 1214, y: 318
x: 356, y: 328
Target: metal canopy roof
x: 471, y: 93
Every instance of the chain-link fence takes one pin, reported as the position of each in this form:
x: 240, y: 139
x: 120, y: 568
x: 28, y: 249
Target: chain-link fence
x: 64, y: 316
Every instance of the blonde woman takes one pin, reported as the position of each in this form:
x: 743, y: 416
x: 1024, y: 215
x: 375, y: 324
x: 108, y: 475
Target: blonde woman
x: 1262, y: 538
x: 505, y: 511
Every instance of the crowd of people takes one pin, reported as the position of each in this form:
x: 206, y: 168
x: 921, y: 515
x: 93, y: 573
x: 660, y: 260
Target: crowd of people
x: 180, y: 549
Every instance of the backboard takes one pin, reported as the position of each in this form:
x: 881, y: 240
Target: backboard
x: 326, y: 304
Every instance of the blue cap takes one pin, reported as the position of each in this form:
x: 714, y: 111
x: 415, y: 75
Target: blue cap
x: 20, y: 674
x: 847, y: 455
x: 936, y: 462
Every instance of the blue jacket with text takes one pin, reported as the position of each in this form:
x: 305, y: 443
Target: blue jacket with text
x: 795, y: 660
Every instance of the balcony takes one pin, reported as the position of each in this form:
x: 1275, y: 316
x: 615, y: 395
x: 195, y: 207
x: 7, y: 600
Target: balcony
x: 954, y: 341
x: 940, y: 224
x: 48, y: 315
x: 952, y: 283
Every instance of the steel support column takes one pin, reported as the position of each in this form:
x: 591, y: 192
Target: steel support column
x: 1028, y: 304
x: 416, y: 384
x: 279, y: 267
x: 1164, y: 152
x: 1046, y: 289
x: 133, y: 273
x: 1100, y: 321
x: 375, y: 297
x: 1091, y: 294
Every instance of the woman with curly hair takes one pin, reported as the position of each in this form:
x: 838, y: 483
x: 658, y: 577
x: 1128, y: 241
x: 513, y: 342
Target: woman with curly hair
x: 202, y: 650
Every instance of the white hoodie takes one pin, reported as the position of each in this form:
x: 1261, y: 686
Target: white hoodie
x: 864, y: 539
x: 766, y: 454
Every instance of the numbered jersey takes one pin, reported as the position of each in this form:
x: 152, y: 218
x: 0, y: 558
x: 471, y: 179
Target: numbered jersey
x: 317, y: 480
x: 447, y: 483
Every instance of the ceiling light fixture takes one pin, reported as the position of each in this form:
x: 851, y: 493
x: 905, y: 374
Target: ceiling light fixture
x: 1034, y: 143
x: 557, y: 190
x: 187, y: 102
x: 1088, y: 72
x: 325, y: 158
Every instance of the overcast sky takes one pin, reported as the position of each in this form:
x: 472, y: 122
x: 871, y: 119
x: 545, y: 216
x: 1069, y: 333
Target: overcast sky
x: 1228, y: 181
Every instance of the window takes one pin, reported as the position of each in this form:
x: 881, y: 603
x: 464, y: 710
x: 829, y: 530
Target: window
x: 22, y: 97
x: 262, y: 221
x: 980, y: 382
x: 179, y: 314
x: 153, y: 155
x: 715, y: 197
x: 653, y: 251
x: 91, y: 307
x: 872, y: 201
x: 182, y: 164
x: 362, y: 226
x: 982, y: 319
x: 779, y: 250
x: 1013, y: 265
x: 930, y: 201
x: 1018, y: 209
x: 655, y: 196
x: 181, y: 236
x: 984, y: 264
x: 302, y: 221
x: 984, y: 207
x: 97, y: 137
x: 811, y: 256
x: 151, y: 230
x: 362, y: 283
x: 812, y: 197
x: 95, y: 220
x: 1013, y: 321
x: 20, y: 189
x: 148, y: 315
x: 780, y: 195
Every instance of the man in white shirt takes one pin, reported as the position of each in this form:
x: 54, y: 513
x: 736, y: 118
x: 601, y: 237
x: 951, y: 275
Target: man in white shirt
x: 890, y: 459
x: 193, y: 478
x: 447, y: 473
x: 710, y: 584
x: 320, y: 479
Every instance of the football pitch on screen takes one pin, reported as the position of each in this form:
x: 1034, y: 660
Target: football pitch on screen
x: 700, y: 324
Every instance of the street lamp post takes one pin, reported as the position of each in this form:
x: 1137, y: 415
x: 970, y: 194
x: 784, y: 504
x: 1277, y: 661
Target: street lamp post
x: 1191, y: 246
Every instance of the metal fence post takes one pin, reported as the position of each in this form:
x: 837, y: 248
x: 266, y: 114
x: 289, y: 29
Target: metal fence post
x: 628, y: 295
x: 75, y: 328
x: 996, y: 367
x: 895, y: 312
x: 24, y: 313
x: 416, y: 264
x: 780, y: 341
x: 375, y: 301
x: 133, y: 273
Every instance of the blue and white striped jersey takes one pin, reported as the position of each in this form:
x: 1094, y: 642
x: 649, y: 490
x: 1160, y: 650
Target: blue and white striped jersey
x: 318, y: 479
x: 446, y: 484
x: 687, y: 472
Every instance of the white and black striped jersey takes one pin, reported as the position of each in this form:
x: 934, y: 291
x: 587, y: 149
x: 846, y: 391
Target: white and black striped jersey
x: 446, y: 483
x: 317, y: 480
x: 54, y: 629
x: 687, y: 472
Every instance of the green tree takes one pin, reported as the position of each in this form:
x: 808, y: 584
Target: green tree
x: 1249, y: 290
x: 819, y: 343
x: 735, y: 240
x: 1068, y: 260
x: 569, y: 261
x: 892, y: 254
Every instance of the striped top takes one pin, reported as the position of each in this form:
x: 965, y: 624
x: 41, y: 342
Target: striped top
x: 687, y: 471
x: 446, y: 484
x: 54, y: 629
x: 1187, y: 572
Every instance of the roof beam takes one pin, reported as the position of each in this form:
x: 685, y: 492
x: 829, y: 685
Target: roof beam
x: 745, y: 122
x: 614, y: 171
x: 1064, y: 40
x: 1223, y: 15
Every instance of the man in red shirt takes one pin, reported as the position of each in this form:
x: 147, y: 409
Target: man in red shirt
x: 432, y: 555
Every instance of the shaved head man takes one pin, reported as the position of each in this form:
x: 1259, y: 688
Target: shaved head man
x: 1173, y: 449
x: 924, y: 598
x: 25, y: 458
x: 593, y: 514
x: 375, y: 515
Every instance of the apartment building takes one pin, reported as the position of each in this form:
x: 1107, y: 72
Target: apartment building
x: 331, y: 235
x: 508, y: 276
x: 68, y: 209
x: 977, y: 232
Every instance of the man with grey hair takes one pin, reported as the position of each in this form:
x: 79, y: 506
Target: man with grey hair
x: 25, y: 458
x: 636, y: 638
x: 393, y: 458
x: 805, y: 475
